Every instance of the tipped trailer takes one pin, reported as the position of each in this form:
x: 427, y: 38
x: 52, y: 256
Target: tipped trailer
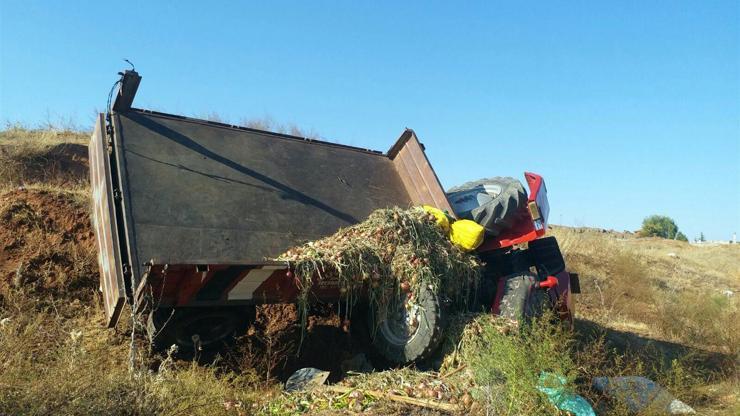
x: 187, y: 211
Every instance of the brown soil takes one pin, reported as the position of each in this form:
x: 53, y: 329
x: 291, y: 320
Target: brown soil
x: 46, y: 243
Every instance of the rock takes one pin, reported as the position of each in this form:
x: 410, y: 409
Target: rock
x: 677, y: 407
x: 306, y: 379
x: 640, y: 394
x: 357, y: 364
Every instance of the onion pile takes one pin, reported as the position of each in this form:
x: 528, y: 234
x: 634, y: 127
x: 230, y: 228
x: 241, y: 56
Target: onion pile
x: 389, y: 256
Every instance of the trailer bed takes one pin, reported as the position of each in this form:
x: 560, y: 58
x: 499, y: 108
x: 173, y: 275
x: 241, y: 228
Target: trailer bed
x: 194, y: 192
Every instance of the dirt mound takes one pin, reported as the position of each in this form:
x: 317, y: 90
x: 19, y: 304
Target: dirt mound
x: 60, y: 164
x: 46, y: 243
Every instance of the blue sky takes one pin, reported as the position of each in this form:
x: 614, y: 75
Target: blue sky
x: 627, y: 108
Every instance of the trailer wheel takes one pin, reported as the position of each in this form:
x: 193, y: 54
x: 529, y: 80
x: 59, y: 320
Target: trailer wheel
x: 519, y: 299
x: 194, y: 329
x: 410, y: 331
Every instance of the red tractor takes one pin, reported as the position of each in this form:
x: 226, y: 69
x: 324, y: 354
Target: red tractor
x: 186, y: 211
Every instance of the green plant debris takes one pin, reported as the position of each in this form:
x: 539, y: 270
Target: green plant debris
x: 505, y: 361
x: 392, y: 255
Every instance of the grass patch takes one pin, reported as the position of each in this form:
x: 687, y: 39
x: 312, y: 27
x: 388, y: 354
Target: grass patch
x: 51, y: 156
x: 46, y: 243
x: 58, y: 359
x: 506, y: 363
x: 702, y: 319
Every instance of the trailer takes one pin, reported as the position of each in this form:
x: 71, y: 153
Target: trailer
x: 188, y: 212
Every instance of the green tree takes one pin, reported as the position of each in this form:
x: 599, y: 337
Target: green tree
x: 661, y: 226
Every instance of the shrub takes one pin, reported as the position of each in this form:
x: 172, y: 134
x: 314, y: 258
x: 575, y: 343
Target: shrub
x: 703, y: 319
x: 661, y: 226
x: 507, y: 367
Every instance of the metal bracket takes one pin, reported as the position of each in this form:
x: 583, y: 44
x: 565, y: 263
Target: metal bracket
x: 126, y: 93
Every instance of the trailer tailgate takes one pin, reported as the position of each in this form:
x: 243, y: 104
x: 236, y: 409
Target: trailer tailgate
x: 103, y: 216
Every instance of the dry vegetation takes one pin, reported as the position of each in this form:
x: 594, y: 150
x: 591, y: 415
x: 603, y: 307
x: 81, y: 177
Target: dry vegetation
x: 642, y: 312
x: 49, y: 157
x: 668, y: 302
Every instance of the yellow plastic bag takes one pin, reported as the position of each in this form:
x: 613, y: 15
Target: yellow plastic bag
x: 439, y: 216
x: 466, y: 234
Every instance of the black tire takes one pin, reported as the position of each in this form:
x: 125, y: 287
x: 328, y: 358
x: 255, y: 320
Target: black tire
x: 497, y: 214
x: 215, y: 327
x: 390, y: 335
x: 520, y: 300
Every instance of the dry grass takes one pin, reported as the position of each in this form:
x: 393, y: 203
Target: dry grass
x: 707, y: 320
x: 56, y: 157
x: 667, y: 300
x: 265, y: 123
x: 269, y: 124
x: 59, y: 359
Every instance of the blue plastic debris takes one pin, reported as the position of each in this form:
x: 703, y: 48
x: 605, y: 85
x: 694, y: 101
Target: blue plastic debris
x: 553, y: 385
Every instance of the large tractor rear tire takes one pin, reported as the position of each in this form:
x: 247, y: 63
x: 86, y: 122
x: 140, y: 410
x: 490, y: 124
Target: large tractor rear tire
x: 504, y: 197
x: 407, y: 334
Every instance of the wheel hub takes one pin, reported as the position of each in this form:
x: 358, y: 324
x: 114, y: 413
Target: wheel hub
x: 402, y: 323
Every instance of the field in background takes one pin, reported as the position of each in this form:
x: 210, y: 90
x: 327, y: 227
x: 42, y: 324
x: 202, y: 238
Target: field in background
x: 649, y: 307
x: 658, y: 288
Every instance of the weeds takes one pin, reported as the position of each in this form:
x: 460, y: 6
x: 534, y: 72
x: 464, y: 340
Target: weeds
x: 506, y: 365
x: 702, y: 319
x: 53, y: 365
x: 269, y: 124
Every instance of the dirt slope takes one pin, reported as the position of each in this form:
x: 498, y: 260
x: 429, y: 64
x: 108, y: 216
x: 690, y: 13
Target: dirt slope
x: 46, y: 242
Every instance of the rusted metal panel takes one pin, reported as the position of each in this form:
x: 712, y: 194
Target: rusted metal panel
x: 416, y: 173
x: 104, y: 224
